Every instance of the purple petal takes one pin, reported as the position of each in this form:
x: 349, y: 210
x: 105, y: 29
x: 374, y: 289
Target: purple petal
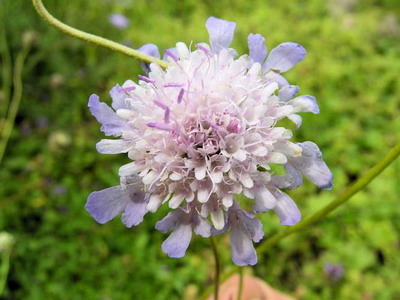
x: 221, y: 33
x: 106, y: 146
x: 244, y: 229
x: 112, y: 124
x: 286, y: 209
x: 150, y: 49
x: 169, y: 222
x: 101, y: 111
x: 254, y: 227
x: 288, y: 92
x: 284, y: 57
x: 313, y: 167
x: 242, y: 249
x: 305, y: 104
x: 106, y: 204
x: 117, y: 97
x: 281, y: 81
x: 215, y: 231
x: 296, y: 119
x: 264, y: 200
x: 176, y: 244
x: 296, y: 178
x: 202, y: 227
x: 273, y: 76
x: 257, y: 49
x: 135, y: 211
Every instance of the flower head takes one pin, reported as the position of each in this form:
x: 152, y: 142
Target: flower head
x: 119, y: 21
x: 334, y: 271
x: 202, y: 131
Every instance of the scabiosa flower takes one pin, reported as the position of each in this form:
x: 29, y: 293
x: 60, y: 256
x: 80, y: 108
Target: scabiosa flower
x: 119, y: 21
x: 334, y: 271
x: 202, y: 131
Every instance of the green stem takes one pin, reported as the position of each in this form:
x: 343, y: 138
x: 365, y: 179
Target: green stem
x: 16, y: 99
x: 223, y: 278
x: 240, y: 288
x: 6, y: 70
x: 5, y: 267
x: 342, y: 198
x: 217, y: 268
x: 94, y: 39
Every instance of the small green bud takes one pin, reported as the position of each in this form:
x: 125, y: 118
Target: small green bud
x: 56, y: 80
x: 59, y: 139
x: 29, y: 38
x: 6, y: 241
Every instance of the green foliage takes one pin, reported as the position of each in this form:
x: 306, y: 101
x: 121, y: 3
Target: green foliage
x: 51, y: 164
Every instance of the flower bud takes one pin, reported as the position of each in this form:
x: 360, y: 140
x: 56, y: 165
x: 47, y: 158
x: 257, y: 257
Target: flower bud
x: 6, y: 241
x: 59, y: 139
x: 29, y: 38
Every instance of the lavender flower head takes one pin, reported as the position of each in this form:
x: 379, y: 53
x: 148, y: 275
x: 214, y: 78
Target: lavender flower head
x: 201, y: 132
x: 334, y: 271
x: 119, y: 21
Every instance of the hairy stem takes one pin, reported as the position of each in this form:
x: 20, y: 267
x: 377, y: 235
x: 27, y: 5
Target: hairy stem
x: 240, y: 288
x: 342, y: 198
x: 16, y: 99
x: 6, y: 69
x: 94, y: 39
x: 217, y: 268
x: 5, y: 266
x: 223, y: 278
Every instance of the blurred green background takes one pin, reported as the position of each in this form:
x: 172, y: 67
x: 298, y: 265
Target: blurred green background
x: 51, y: 165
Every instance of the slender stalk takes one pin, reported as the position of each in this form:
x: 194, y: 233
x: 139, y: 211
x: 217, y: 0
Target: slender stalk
x: 223, y: 277
x: 240, y: 288
x: 16, y: 99
x: 6, y: 69
x: 5, y: 267
x: 217, y: 268
x: 94, y: 39
x: 342, y: 198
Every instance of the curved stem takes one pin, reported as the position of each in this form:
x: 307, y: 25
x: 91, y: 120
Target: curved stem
x: 223, y: 277
x: 5, y: 267
x: 217, y: 268
x: 94, y: 39
x: 342, y: 198
x: 16, y: 99
x: 6, y: 69
x: 240, y: 288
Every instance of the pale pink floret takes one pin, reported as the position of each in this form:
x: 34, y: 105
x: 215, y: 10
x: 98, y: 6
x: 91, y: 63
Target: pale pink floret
x: 199, y: 131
